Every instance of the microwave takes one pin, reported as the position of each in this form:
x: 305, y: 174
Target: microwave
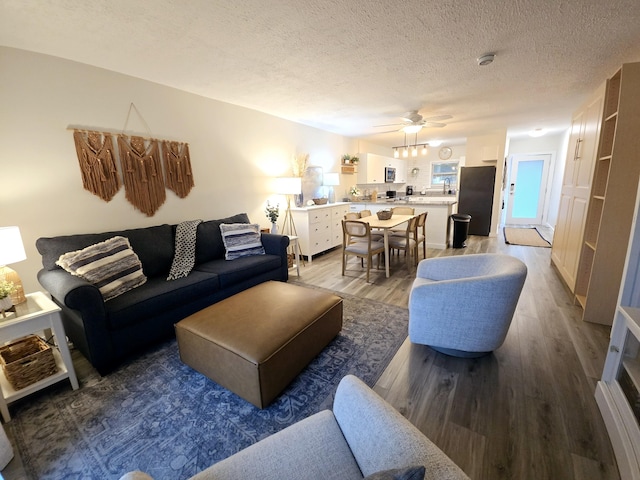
x: 389, y: 174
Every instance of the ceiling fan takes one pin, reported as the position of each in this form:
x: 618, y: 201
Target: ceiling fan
x: 414, y: 122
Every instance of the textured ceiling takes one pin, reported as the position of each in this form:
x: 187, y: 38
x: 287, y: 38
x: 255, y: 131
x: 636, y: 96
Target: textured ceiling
x: 346, y: 65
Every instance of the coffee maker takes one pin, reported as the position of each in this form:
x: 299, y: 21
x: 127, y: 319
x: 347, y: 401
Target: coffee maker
x: 409, y: 190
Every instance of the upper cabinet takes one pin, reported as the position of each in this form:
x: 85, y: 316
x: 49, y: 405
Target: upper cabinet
x: 371, y: 168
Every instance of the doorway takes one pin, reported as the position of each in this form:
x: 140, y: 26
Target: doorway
x: 526, y: 188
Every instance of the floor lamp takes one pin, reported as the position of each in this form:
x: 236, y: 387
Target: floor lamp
x: 289, y: 186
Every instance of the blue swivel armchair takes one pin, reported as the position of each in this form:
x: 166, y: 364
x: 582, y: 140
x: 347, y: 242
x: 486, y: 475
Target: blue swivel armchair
x: 463, y: 305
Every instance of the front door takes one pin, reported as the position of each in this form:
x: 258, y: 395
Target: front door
x: 526, y: 189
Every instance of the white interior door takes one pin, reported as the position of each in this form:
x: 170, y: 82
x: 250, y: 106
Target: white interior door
x: 526, y: 189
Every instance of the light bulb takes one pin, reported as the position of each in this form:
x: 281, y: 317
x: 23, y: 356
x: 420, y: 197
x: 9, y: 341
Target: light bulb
x: 424, y: 149
x: 405, y: 152
x: 395, y: 153
x: 414, y: 152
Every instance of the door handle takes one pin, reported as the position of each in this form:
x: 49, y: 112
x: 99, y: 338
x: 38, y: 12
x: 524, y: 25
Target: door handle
x: 576, y: 152
x: 512, y: 188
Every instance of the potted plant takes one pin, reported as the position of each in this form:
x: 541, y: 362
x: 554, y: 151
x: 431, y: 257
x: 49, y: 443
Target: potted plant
x: 6, y: 289
x: 272, y: 214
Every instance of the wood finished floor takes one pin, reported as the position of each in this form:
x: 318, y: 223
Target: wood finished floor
x: 527, y: 411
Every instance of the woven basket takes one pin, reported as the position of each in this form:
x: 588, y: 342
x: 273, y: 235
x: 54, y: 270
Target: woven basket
x: 320, y: 201
x: 27, y: 361
x: 290, y: 259
x: 384, y: 214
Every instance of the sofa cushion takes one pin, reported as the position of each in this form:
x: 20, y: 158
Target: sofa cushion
x: 408, y: 473
x: 153, y: 245
x: 209, y: 245
x: 233, y: 272
x: 112, y: 266
x: 158, y: 296
x: 241, y: 240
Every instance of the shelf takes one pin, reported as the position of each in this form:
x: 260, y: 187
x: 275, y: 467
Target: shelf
x: 349, y: 169
x: 11, y: 394
x: 598, y: 197
x: 581, y: 299
x: 590, y: 245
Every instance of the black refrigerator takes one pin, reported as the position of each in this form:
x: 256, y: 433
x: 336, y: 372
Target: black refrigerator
x: 476, y: 197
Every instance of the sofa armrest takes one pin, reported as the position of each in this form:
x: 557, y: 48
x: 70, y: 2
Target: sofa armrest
x: 72, y: 292
x: 275, y: 244
x: 380, y: 438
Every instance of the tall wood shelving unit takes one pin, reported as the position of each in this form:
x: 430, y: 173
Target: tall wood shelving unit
x: 612, y: 200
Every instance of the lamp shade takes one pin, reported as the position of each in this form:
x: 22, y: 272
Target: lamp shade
x: 288, y: 185
x: 331, y: 179
x: 11, y: 247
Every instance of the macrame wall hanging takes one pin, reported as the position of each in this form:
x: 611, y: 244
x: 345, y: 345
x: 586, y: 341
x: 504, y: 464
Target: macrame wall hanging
x: 141, y: 162
x: 97, y: 163
x: 177, y: 168
x: 142, y: 173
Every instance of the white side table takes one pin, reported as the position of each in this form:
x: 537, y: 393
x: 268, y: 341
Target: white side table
x: 39, y: 313
x: 294, y: 244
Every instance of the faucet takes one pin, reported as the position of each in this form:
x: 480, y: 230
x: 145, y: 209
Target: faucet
x: 446, y: 185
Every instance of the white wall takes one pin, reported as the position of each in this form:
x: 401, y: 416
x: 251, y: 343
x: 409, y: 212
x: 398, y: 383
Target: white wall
x: 234, y: 151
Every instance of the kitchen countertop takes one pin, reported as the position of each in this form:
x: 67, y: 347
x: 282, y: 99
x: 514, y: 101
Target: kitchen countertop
x: 444, y: 200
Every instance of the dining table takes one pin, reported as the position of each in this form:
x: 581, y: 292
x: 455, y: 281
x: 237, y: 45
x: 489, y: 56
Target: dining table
x: 386, y: 226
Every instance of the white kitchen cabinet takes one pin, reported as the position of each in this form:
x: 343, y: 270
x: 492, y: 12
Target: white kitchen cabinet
x: 319, y: 227
x: 371, y: 168
x: 401, y: 170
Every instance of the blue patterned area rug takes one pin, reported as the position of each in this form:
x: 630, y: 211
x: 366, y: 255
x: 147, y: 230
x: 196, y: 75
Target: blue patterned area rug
x: 160, y: 416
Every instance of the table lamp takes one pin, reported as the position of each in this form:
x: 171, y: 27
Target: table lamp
x: 331, y: 180
x: 12, y: 251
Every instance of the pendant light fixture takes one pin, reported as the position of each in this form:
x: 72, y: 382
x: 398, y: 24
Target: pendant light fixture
x: 410, y: 147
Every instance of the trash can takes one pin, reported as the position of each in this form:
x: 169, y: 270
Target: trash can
x: 460, y: 229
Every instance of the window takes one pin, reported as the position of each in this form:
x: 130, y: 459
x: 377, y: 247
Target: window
x: 443, y: 171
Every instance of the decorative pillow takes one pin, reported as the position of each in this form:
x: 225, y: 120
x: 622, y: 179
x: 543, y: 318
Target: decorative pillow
x: 415, y: 472
x: 241, y: 240
x: 112, y: 266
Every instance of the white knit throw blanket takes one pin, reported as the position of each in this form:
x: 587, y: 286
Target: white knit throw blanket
x: 184, y: 257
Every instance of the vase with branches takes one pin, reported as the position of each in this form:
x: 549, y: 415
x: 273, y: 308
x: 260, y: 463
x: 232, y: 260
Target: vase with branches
x: 272, y: 213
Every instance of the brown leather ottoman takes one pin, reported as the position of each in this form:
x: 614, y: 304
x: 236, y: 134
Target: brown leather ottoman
x: 257, y: 341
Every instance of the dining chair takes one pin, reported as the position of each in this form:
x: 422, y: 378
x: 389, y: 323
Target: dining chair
x: 406, y: 242
x: 401, y: 211
x: 352, y: 216
x: 376, y: 233
x: 421, y: 234
x: 357, y: 241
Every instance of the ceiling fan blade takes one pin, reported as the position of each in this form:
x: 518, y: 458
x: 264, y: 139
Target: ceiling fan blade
x: 434, y: 125
x: 438, y: 117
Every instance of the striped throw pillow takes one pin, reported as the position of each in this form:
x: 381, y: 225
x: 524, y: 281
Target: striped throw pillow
x: 112, y: 266
x: 241, y: 240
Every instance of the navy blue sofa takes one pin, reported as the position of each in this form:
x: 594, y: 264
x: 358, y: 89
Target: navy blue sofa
x: 108, y: 332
